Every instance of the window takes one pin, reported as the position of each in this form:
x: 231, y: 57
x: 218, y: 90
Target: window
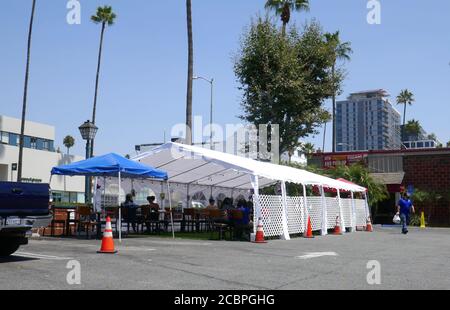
x: 33, y: 143
x: 4, y: 137
x: 27, y: 142
x: 13, y: 139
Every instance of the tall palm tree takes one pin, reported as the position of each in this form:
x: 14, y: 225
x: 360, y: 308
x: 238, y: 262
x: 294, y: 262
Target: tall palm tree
x: 283, y: 8
x: 340, y: 51
x: 69, y: 142
x: 106, y: 17
x: 25, y: 93
x: 405, y: 98
x: 190, y: 73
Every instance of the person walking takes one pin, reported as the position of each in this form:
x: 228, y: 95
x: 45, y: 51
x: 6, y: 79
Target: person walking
x: 404, y: 209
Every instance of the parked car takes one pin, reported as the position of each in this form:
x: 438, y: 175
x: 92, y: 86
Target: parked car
x: 198, y: 205
x: 21, y: 205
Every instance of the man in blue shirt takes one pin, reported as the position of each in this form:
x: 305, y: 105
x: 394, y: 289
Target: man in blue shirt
x: 404, y: 208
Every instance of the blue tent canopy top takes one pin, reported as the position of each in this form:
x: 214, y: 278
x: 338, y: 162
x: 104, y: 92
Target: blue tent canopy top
x: 109, y: 166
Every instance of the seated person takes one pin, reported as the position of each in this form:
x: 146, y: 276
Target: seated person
x: 131, y: 210
x: 151, y: 202
x: 243, y: 225
x: 212, y: 205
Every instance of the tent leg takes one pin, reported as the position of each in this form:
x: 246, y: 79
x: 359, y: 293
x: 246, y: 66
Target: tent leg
x: 170, y: 206
x: 324, y: 212
x: 306, y: 210
x: 120, y: 210
x: 284, y: 214
x: 353, y: 213
x: 341, y: 214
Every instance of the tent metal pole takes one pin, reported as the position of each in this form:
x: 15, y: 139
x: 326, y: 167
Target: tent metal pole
x: 341, y: 214
x: 170, y: 207
x: 284, y: 215
x: 324, y: 212
x: 305, y: 199
x: 120, y: 210
x: 353, y: 212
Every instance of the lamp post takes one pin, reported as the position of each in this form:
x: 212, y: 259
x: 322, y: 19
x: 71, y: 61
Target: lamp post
x: 211, y: 82
x: 88, y: 131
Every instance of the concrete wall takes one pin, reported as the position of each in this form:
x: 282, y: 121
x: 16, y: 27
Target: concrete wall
x: 33, y: 129
x: 37, y: 165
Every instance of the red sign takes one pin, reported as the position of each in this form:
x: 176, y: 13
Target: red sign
x: 331, y: 161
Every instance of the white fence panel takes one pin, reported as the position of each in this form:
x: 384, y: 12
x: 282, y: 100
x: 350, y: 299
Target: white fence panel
x: 347, y: 212
x: 361, y: 219
x: 332, y: 211
x: 295, y: 215
x: 271, y: 214
x: 315, y: 212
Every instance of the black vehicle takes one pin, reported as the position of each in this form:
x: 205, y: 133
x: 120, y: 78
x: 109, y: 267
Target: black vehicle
x: 20, y: 205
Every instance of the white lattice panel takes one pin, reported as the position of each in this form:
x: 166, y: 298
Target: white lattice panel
x: 332, y: 211
x: 315, y: 212
x: 347, y: 212
x: 271, y: 213
x: 361, y: 219
x: 295, y: 215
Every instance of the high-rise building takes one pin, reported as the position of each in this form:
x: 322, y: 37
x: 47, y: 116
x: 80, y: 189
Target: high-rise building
x: 367, y: 121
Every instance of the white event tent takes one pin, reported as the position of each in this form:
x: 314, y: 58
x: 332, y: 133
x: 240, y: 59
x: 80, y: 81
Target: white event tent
x: 196, y: 166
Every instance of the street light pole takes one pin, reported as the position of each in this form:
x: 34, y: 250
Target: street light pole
x: 211, y: 82
x: 88, y: 131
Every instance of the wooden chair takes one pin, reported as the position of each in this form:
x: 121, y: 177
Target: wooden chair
x: 60, y: 219
x: 236, y: 218
x: 218, y: 223
x: 84, y: 214
x: 113, y: 214
x: 190, y: 219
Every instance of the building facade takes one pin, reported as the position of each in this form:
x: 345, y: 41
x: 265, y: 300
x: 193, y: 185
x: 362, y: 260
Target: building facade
x: 39, y: 157
x: 367, y: 121
x: 424, y: 170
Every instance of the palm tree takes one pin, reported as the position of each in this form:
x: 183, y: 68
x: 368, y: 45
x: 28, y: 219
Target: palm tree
x: 405, y: 98
x: 412, y: 128
x: 283, y: 8
x: 106, y: 17
x: 190, y: 73
x: 340, y: 51
x: 69, y: 142
x: 308, y: 149
x: 25, y: 93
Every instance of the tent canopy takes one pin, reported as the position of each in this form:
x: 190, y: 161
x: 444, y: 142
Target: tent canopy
x: 109, y: 166
x: 193, y: 165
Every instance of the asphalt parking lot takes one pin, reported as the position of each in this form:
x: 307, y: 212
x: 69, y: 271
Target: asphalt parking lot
x: 416, y: 261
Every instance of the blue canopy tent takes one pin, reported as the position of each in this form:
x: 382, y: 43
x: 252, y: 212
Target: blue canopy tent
x: 112, y: 165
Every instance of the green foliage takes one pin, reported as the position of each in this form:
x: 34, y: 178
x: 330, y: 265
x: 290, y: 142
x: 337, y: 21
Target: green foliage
x: 283, y: 8
x: 285, y: 79
x: 104, y: 15
x: 405, y: 97
x: 69, y: 142
x: 413, y: 127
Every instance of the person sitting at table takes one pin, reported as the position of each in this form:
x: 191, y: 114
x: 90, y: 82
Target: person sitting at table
x: 243, y: 225
x: 212, y: 205
x: 152, y: 204
x: 131, y: 210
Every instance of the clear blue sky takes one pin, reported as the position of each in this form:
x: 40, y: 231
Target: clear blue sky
x: 143, y: 82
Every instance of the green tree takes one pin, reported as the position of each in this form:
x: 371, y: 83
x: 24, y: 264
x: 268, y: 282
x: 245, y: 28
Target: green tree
x: 283, y: 8
x: 412, y: 128
x: 339, y: 51
x: 285, y: 80
x: 190, y: 73
x: 69, y: 142
x: 360, y: 175
x: 308, y: 149
x: 25, y: 94
x: 448, y: 144
x: 432, y: 136
x: 106, y: 17
x: 406, y: 98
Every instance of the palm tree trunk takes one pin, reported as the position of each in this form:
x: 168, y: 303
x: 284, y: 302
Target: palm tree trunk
x: 25, y: 93
x: 324, y: 136
x: 283, y: 29
x: 94, y: 112
x: 190, y: 73
x: 404, y: 124
x: 333, y: 71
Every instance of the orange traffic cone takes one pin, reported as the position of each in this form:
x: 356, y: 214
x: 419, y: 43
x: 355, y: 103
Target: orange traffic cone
x: 107, y: 241
x: 309, y: 233
x: 260, y: 233
x: 369, y: 227
x: 337, y: 228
